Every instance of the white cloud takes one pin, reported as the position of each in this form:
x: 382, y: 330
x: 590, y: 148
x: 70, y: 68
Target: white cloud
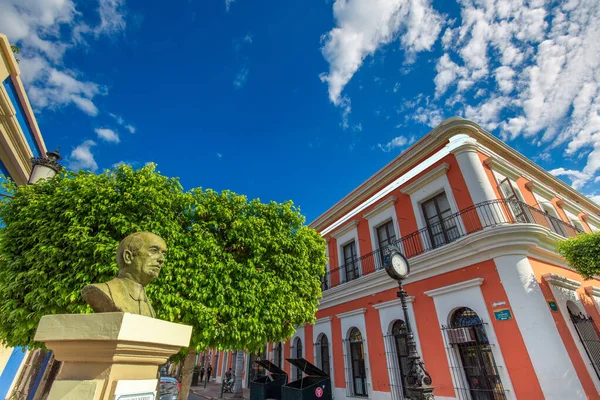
x: 241, y: 78
x: 247, y: 38
x: 578, y: 178
x: 121, y: 121
x: 45, y: 30
x: 397, y: 142
x: 82, y: 157
x: 219, y: 156
x: 107, y: 135
x: 228, y: 4
x: 363, y: 26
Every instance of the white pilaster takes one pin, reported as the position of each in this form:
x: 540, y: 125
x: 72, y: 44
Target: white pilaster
x: 547, y: 352
x: 472, y: 170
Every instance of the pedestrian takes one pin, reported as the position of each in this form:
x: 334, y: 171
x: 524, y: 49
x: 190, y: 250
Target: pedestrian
x: 202, y: 373
x: 208, y: 372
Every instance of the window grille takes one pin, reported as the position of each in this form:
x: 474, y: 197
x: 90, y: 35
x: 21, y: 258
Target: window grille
x: 355, y: 366
x: 322, y: 357
x: 396, y: 351
x: 441, y: 228
x: 589, y: 337
x: 277, y: 358
x: 472, y: 363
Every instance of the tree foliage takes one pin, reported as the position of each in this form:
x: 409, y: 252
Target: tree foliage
x: 583, y: 253
x: 241, y: 272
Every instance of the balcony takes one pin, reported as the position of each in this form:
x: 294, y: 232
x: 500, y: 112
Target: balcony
x: 473, y: 219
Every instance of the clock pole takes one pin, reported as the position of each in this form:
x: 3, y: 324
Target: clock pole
x: 418, y: 380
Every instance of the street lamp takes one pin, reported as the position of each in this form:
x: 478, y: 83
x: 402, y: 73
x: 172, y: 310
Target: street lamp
x: 418, y: 381
x: 45, y: 167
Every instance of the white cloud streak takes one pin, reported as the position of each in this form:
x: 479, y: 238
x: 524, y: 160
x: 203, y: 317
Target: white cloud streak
x: 108, y: 135
x: 363, y: 26
x: 45, y: 30
x: 82, y: 157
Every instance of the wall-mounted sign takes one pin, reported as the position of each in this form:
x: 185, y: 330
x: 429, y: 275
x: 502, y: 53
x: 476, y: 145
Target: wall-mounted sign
x: 140, y: 396
x: 498, y: 303
x: 503, y: 314
x: 552, y: 305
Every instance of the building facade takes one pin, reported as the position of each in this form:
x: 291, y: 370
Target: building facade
x: 496, y: 312
x: 20, y: 140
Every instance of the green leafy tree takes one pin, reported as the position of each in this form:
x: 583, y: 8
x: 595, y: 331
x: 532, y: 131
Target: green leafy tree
x: 583, y: 253
x: 242, y: 273
x: 16, y: 50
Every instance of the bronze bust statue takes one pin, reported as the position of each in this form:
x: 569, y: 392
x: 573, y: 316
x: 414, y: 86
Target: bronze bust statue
x: 140, y: 257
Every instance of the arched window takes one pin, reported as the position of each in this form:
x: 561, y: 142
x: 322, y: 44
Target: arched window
x: 468, y: 339
x: 323, y: 353
x: 399, y: 334
x: 298, y: 351
x: 358, y: 370
x: 277, y: 355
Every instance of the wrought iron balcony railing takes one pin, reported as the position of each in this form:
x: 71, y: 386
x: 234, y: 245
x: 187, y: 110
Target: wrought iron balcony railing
x: 473, y: 219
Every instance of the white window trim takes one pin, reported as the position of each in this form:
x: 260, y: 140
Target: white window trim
x: 346, y: 238
x: 323, y: 326
x: 425, y: 179
x: 448, y: 299
x: 564, y: 290
x: 356, y: 319
x: 434, y: 188
x: 594, y: 293
x: 383, y: 213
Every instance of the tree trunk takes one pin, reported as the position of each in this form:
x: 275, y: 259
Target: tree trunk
x: 186, y: 375
x: 239, y: 367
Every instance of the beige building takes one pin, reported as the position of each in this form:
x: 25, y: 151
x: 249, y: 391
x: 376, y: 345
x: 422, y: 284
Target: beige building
x: 20, y: 140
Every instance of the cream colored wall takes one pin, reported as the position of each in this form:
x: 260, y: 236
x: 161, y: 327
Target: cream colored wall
x: 5, y: 353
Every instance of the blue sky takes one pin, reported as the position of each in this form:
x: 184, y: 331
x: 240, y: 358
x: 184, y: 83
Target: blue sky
x: 305, y: 100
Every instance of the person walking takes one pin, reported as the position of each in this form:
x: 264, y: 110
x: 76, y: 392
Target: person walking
x: 208, y: 372
x: 202, y: 373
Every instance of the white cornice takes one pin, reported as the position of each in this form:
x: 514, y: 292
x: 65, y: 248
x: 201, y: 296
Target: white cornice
x: 561, y: 281
x: 323, y: 320
x: 345, y: 229
x: 497, y: 164
x: 393, y: 303
x: 455, y: 287
x: 522, y: 239
x: 358, y: 311
x: 592, y: 291
x: 425, y: 179
x: 390, y: 201
x: 537, y: 187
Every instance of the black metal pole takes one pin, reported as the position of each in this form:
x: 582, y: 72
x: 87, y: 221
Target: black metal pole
x: 418, y: 381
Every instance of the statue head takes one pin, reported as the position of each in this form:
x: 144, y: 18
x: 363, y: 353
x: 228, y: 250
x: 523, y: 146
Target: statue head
x: 140, y: 257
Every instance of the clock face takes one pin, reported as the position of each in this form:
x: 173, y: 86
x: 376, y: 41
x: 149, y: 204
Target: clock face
x: 399, y: 265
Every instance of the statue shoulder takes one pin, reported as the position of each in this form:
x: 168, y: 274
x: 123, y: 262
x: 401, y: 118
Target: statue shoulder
x: 99, y: 297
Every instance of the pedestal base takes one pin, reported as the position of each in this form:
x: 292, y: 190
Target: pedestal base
x: 110, y: 355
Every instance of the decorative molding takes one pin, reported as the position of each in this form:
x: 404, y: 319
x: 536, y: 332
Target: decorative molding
x: 380, y: 207
x: 323, y: 320
x: 561, y: 281
x: 526, y: 240
x: 345, y: 229
x: 347, y: 314
x: 537, y: 187
x: 592, y: 291
x: 425, y: 179
x: 468, y: 145
x: 498, y: 164
x: 393, y: 303
x: 455, y: 287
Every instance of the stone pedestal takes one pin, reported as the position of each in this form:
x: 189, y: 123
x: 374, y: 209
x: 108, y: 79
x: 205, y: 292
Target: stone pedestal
x: 110, y: 355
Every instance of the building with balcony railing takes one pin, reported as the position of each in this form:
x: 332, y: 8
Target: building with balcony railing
x: 497, y: 313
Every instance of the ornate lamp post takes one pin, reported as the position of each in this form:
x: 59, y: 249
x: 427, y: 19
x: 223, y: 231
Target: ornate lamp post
x: 45, y: 167
x: 418, y: 381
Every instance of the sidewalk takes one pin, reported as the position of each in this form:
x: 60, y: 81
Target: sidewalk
x: 213, y: 391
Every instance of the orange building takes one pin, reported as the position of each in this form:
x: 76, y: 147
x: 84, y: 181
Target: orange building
x: 496, y: 312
